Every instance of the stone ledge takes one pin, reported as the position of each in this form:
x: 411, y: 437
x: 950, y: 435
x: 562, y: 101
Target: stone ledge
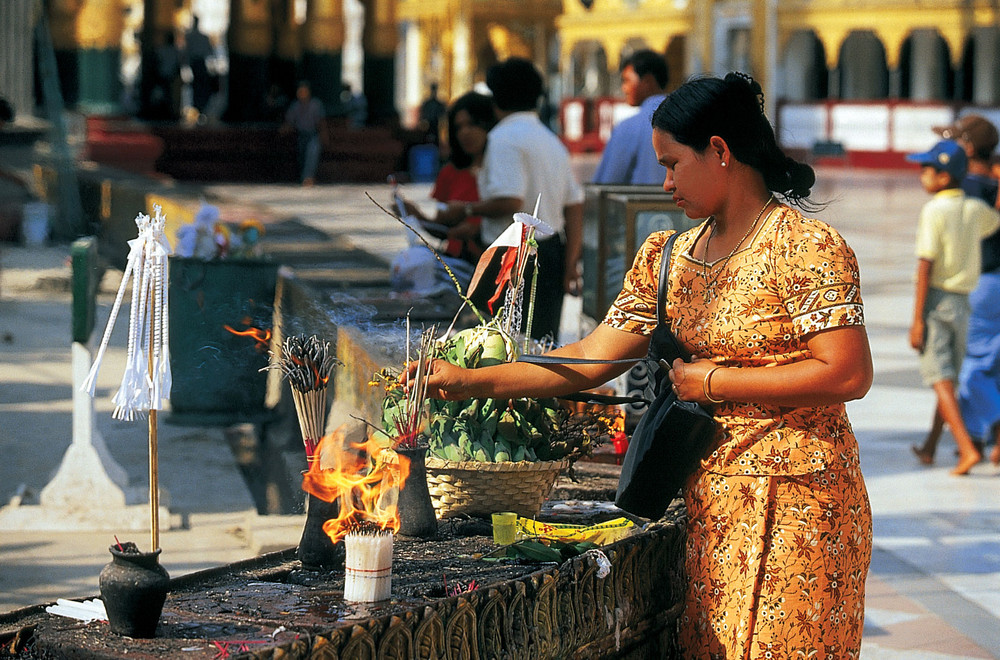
x: 549, y: 612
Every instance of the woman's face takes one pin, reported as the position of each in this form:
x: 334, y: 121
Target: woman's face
x: 690, y: 176
x: 471, y: 136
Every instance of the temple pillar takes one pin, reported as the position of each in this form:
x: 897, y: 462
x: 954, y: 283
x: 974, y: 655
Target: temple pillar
x: 86, y: 38
x: 929, y: 67
x: 17, y: 34
x: 462, y: 52
x: 158, y: 22
x: 284, y: 70
x: 251, y: 44
x: 322, y: 56
x: 379, y: 39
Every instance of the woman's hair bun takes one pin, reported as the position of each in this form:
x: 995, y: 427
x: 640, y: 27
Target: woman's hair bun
x: 739, y: 79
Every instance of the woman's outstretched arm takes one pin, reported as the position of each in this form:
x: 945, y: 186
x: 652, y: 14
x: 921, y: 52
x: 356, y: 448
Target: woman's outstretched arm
x: 521, y: 379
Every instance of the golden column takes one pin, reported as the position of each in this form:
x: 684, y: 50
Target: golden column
x: 323, y: 48
x: 158, y: 22
x: 86, y: 37
x: 284, y: 69
x: 763, y: 45
x: 251, y: 44
x: 379, y: 40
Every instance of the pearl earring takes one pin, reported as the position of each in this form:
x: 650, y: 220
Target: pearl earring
x: 723, y: 163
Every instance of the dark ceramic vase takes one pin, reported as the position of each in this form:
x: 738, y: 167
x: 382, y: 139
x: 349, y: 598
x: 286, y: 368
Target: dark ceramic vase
x: 416, y: 511
x: 316, y: 550
x: 133, y: 588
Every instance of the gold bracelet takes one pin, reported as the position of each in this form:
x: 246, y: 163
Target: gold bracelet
x: 706, y: 386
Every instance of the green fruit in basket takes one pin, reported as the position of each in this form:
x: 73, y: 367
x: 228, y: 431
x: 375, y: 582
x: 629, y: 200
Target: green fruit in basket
x: 494, y: 350
x: 487, y: 445
x: 488, y: 428
x: 453, y: 453
x: 503, y: 451
x: 481, y: 456
x: 507, y: 425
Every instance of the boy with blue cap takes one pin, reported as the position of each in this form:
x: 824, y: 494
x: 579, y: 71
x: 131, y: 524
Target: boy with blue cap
x: 949, y: 231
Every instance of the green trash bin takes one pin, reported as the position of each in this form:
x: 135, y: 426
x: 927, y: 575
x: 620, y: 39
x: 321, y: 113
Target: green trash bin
x: 217, y: 377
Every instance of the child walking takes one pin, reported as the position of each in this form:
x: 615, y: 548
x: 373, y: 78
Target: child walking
x: 949, y: 232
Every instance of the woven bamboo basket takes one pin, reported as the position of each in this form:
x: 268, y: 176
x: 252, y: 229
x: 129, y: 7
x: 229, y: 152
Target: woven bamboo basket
x: 480, y: 489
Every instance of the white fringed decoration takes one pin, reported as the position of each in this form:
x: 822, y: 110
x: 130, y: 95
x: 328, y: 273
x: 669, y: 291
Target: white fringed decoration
x: 146, y: 381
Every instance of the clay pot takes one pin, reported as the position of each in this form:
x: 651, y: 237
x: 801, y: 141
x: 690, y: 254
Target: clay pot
x: 134, y: 587
x: 416, y: 511
x: 316, y: 551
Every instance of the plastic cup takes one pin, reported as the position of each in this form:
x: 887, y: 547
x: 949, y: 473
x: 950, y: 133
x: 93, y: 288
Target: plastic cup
x: 503, y: 527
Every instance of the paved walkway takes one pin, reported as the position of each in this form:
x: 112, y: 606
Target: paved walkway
x: 934, y: 588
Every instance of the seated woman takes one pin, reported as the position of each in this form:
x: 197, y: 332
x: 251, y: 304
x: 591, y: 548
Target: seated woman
x: 470, y: 118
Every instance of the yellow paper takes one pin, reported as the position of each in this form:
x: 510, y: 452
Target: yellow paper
x: 599, y: 534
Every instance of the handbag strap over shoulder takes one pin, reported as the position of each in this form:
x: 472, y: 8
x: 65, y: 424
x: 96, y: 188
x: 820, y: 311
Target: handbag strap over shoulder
x: 661, y: 289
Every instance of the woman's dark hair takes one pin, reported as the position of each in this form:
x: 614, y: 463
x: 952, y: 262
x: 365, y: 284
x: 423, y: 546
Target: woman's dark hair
x: 733, y: 109
x: 480, y: 109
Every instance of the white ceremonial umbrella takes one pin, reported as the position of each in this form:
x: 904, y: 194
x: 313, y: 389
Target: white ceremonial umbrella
x: 146, y: 382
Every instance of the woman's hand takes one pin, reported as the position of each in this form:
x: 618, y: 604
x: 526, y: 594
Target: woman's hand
x: 444, y: 380
x: 838, y: 368
x: 688, y: 379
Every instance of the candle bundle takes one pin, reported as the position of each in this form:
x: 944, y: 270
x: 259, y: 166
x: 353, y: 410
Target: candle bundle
x: 368, y: 564
x: 307, y: 363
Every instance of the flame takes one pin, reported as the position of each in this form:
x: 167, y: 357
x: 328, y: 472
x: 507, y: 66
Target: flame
x: 364, y: 478
x: 260, y: 335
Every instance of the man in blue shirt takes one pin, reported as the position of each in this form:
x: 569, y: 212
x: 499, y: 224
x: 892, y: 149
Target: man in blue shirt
x: 628, y: 156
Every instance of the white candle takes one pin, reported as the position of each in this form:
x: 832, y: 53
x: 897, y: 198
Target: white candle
x: 367, y: 567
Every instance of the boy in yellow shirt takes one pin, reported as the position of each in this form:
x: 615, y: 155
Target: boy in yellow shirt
x: 949, y: 232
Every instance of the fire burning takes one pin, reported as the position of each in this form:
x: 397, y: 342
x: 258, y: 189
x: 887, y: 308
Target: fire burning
x: 364, y: 478
x: 260, y: 335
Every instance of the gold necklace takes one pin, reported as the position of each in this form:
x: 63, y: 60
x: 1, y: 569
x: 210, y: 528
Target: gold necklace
x: 710, y: 284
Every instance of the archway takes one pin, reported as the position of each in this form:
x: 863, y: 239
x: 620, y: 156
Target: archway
x: 978, y: 78
x: 864, y: 74
x: 925, y: 67
x: 804, y: 65
x: 589, y: 69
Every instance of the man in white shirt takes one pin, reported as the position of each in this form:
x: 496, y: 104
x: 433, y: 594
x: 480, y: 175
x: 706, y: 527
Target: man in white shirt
x: 525, y: 160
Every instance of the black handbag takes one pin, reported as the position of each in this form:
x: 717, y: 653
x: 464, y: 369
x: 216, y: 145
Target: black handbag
x: 672, y: 436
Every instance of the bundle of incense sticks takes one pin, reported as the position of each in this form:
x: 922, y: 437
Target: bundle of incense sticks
x: 413, y: 415
x: 308, y: 363
x: 367, y: 564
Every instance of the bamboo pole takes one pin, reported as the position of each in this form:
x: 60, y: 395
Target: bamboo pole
x: 154, y: 470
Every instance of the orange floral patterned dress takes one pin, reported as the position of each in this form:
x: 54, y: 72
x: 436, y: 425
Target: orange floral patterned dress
x: 779, y: 524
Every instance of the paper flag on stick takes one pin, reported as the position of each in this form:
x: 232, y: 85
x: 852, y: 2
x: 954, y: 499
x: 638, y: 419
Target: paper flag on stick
x: 519, y: 241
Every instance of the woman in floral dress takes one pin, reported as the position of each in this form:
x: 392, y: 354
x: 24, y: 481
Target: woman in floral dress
x: 768, y: 303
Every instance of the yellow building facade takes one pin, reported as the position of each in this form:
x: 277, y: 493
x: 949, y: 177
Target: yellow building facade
x: 801, y: 50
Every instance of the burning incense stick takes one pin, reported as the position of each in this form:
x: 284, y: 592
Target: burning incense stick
x: 307, y: 363
x: 368, y: 564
